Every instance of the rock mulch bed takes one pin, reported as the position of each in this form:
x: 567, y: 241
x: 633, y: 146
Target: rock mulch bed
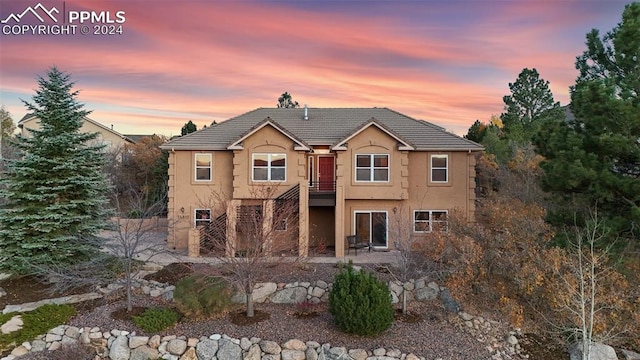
x: 435, y: 337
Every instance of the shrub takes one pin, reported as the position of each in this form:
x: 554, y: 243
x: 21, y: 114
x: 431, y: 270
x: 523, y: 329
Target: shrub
x: 36, y: 322
x: 360, y: 303
x: 306, y: 309
x: 156, y: 319
x: 199, y: 296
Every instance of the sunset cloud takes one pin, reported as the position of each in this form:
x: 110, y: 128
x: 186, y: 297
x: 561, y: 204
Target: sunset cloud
x: 446, y: 62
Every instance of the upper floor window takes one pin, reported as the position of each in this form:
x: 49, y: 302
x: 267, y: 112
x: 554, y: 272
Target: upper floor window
x: 425, y: 221
x: 203, y: 167
x: 269, y: 167
x: 439, y: 168
x: 372, y: 167
x: 203, y: 217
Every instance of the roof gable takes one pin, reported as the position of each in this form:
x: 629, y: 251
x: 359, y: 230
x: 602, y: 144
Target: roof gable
x: 237, y: 144
x: 402, y: 144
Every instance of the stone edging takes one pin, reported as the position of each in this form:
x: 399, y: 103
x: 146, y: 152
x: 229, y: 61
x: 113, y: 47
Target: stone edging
x: 485, y: 331
x: 121, y: 345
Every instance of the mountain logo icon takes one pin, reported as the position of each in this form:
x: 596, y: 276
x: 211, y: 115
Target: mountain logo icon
x: 39, y: 11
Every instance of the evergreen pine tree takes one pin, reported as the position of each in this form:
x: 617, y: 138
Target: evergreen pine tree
x: 56, y: 193
x: 593, y: 160
x: 530, y: 102
x: 188, y: 128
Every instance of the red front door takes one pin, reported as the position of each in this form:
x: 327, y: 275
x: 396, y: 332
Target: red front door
x: 326, y: 173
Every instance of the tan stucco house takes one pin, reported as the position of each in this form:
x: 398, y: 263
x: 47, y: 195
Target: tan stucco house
x: 350, y: 170
x: 106, y: 136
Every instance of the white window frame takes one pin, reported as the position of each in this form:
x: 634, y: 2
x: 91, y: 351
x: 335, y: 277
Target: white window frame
x: 372, y: 168
x: 197, y: 221
x: 196, y: 167
x: 431, y: 220
x: 445, y: 168
x: 312, y: 171
x: 268, y: 167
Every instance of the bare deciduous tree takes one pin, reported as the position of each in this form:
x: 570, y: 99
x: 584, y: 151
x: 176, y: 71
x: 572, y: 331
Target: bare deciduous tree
x: 255, y: 239
x: 129, y: 242
x: 586, y: 286
x: 411, y: 261
x: 136, y: 239
x: 140, y: 167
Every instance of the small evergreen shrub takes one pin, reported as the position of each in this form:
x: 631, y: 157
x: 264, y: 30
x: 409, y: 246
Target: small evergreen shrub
x: 157, y: 319
x: 36, y: 322
x: 360, y: 303
x: 199, y: 296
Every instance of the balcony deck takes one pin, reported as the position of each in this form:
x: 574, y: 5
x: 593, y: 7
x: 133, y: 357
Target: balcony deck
x: 322, y: 193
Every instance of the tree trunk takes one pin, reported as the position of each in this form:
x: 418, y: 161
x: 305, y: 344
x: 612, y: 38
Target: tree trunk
x: 127, y: 268
x: 250, y: 312
x: 404, y: 300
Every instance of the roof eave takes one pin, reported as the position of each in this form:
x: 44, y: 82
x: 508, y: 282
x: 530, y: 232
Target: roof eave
x: 170, y: 147
x: 450, y: 149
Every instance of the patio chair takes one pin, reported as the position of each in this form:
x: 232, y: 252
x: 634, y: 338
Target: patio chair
x: 355, y: 242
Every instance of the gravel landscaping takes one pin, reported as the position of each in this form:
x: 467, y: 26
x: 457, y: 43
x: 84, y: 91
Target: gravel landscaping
x: 432, y: 337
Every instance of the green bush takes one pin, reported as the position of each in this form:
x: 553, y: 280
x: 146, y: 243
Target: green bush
x: 36, y: 322
x: 156, y: 319
x: 360, y: 303
x: 200, y: 296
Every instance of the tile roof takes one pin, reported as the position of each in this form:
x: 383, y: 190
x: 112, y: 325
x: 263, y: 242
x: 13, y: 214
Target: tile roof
x: 325, y: 126
x: 135, y: 138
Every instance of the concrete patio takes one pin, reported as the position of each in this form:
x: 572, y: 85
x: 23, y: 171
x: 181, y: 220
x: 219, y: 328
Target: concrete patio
x: 155, y: 250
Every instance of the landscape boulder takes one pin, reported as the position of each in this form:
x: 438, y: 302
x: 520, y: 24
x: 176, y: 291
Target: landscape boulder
x: 598, y: 351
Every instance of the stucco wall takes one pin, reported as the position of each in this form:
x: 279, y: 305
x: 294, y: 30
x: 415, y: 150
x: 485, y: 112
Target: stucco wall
x: 186, y: 194
x: 322, y: 225
x: 266, y: 140
x: 409, y: 187
x: 373, y: 141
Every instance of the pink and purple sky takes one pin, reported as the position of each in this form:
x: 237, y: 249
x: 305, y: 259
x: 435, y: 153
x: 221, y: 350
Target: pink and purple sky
x: 448, y: 62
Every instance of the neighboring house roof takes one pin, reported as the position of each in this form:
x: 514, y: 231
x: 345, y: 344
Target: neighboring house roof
x: 28, y: 117
x: 325, y: 126
x: 568, y: 114
x: 135, y: 138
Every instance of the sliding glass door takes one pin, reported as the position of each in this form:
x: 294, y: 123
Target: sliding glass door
x: 371, y: 226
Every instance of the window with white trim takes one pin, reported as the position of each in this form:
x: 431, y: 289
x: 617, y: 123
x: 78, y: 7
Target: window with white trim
x: 439, y: 168
x: 202, y: 217
x: 372, y: 167
x: 203, y: 167
x: 269, y: 167
x: 426, y: 221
